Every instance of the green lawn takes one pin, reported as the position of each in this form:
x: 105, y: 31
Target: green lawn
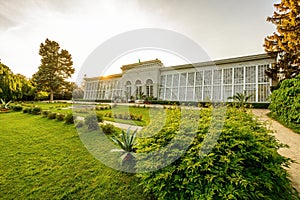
x: 119, y: 109
x: 45, y: 159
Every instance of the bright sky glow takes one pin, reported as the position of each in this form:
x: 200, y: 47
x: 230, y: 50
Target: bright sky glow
x: 223, y: 28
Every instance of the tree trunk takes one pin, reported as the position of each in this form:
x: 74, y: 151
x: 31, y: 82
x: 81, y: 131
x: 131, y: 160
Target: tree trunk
x: 51, y: 95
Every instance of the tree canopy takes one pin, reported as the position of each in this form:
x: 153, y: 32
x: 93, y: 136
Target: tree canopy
x: 284, y: 44
x: 9, y: 84
x: 55, y: 68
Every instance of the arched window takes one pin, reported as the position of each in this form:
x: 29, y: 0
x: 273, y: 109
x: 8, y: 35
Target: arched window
x: 149, y: 88
x: 138, y: 89
x: 138, y: 82
x: 128, y: 89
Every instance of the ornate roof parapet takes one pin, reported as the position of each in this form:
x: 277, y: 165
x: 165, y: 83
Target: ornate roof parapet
x: 149, y: 63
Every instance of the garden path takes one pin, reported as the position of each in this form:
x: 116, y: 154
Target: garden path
x: 285, y: 136
x: 124, y: 126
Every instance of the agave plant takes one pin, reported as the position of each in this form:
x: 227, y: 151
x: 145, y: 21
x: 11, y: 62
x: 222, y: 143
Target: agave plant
x: 241, y: 99
x: 4, y: 105
x: 126, y: 141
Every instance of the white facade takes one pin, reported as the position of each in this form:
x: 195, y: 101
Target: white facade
x: 200, y: 82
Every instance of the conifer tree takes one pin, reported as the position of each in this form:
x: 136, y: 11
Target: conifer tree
x: 284, y: 44
x: 55, y: 68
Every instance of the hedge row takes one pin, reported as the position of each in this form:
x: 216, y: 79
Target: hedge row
x: 68, y: 118
x: 126, y: 116
x: 285, y: 101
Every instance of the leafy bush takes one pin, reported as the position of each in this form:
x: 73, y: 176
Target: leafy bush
x: 36, y: 110
x: 243, y: 164
x: 45, y: 113
x: 79, y: 123
x: 109, y: 114
x: 108, y: 129
x: 51, y: 115
x: 17, y: 108
x: 99, y: 117
x: 29, y: 110
x: 91, y: 122
x: 60, y: 117
x: 285, y: 101
x: 69, y: 119
x: 25, y: 110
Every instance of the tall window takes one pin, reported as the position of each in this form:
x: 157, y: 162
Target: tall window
x: 128, y: 89
x: 207, y: 88
x: 227, y: 83
x: 149, y: 88
x: 263, y: 84
x: 138, y: 89
x: 199, y: 86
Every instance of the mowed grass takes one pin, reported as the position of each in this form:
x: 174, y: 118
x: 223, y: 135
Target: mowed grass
x: 121, y: 109
x: 45, y: 159
x: 64, y: 108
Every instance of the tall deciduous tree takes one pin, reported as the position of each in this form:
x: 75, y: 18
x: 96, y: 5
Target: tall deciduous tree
x: 55, y: 68
x: 284, y: 44
x: 10, y: 84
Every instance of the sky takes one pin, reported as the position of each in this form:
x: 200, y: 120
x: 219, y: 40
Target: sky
x: 224, y: 29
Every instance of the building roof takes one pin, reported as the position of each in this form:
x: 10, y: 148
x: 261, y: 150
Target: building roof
x: 222, y: 61
x: 139, y: 64
x: 104, y: 77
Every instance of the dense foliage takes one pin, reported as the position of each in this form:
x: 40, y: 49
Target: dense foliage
x: 285, y: 101
x: 284, y: 44
x: 243, y: 164
x: 56, y: 66
x: 14, y: 86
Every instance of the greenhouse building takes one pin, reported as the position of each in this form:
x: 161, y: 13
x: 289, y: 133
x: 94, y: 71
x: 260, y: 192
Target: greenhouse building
x: 198, y: 82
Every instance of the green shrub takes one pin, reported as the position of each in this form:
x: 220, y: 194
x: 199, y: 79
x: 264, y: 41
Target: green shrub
x: 45, y: 113
x: 109, y: 114
x: 108, y: 129
x: 120, y: 116
x: 36, y: 111
x: 79, y: 123
x: 243, y: 164
x: 25, y: 110
x: 29, y: 111
x: 139, y: 117
x: 91, y: 122
x: 51, y: 115
x: 60, y: 117
x: 69, y: 119
x: 285, y: 101
x: 99, y: 117
x: 17, y: 108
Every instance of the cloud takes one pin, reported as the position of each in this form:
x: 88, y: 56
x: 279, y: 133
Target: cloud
x: 224, y: 29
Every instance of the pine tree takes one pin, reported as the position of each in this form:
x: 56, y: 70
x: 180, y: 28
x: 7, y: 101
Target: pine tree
x: 55, y: 68
x: 284, y: 44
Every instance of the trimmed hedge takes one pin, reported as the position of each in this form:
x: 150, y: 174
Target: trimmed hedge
x: 108, y: 129
x: 285, y: 101
x: 69, y: 119
x: 17, y: 108
x: 60, y: 117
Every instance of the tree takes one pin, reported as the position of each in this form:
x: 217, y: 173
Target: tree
x: 27, y: 88
x: 10, y: 84
x: 284, y: 45
x: 55, y: 68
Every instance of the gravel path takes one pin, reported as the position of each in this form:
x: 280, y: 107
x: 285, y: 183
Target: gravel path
x: 286, y: 136
x: 124, y: 126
